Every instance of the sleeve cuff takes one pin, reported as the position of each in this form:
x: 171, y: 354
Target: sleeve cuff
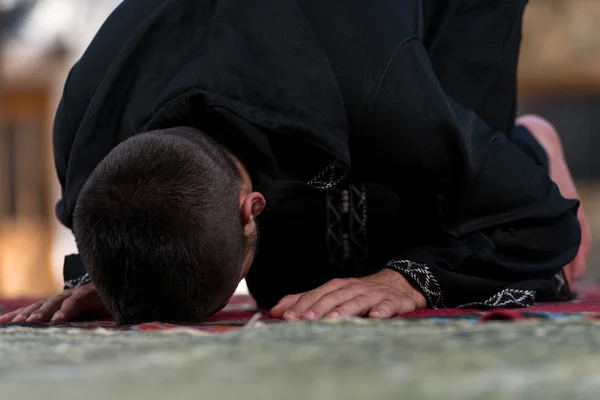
x: 73, y: 283
x: 74, y: 272
x: 421, y: 278
x: 506, y: 298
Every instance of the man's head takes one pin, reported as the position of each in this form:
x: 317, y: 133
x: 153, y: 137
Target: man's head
x: 166, y: 226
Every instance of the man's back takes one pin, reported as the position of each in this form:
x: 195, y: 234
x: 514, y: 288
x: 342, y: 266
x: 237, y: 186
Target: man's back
x: 304, y: 69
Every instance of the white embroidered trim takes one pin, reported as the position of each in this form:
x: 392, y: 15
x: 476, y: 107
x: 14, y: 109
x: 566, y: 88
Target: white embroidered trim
x: 420, y: 276
x: 73, y: 283
x: 334, y: 232
x: 330, y: 177
x: 512, y: 298
x: 562, y: 285
x: 346, y: 234
x: 358, y: 210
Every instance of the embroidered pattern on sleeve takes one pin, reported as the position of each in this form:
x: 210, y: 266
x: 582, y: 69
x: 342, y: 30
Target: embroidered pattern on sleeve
x: 346, y: 235
x: 357, y: 226
x: 507, y: 298
x: 561, y: 282
x: 335, y: 231
x: 420, y: 276
x: 331, y: 176
x: 563, y: 289
x: 73, y: 283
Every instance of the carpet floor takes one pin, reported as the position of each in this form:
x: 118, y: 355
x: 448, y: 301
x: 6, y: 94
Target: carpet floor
x: 550, y: 352
x: 352, y: 359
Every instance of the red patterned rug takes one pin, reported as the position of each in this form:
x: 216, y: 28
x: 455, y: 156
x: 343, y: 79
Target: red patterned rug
x: 242, y: 312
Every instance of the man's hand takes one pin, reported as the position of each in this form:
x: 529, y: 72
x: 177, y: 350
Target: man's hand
x: 382, y: 295
x: 62, y: 307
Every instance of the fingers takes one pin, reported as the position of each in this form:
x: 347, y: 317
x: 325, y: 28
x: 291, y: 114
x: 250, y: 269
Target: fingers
x: 59, y: 308
x: 284, y: 304
x: 8, y: 317
x: 389, y: 308
x: 47, y: 310
x: 357, y: 306
x: 372, y: 306
x: 21, y: 314
x: 316, y: 304
x: 333, y: 300
x: 69, y: 309
x: 385, y: 309
x: 344, y: 298
x: 292, y: 307
x: 41, y: 311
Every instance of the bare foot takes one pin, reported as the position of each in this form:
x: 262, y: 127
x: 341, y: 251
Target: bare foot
x: 550, y: 141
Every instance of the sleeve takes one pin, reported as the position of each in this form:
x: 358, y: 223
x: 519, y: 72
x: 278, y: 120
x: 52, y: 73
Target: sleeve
x: 505, y: 232
x: 525, y: 141
x: 510, y: 266
x: 74, y: 272
x: 63, y: 135
x: 474, y: 49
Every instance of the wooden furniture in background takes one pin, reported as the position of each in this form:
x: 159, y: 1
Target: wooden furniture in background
x: 25, y: 220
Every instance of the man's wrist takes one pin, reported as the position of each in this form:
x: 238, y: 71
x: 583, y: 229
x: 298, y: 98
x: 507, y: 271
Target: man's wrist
x: 396, y: 280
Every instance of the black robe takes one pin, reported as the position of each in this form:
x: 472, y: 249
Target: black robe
x: 309, y: 93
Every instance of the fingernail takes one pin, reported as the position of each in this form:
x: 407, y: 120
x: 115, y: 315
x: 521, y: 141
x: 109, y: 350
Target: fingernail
x: 334, y: 314
x: 57, y: 317
x: 289, y: 315
x: 376, y: 314
x: 33, y: 317
x: 308, y: 315
x: 19, y: 318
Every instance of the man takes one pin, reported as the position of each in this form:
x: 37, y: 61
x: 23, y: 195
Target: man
x: 329, y: 114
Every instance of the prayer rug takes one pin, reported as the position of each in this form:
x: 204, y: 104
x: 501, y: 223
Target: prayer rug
x: 243, y: 313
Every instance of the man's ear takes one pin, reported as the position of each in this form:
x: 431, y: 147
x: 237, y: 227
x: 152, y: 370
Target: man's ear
x: 251, y: 206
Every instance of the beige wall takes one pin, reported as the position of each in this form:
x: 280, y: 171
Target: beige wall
x: 561, y: 46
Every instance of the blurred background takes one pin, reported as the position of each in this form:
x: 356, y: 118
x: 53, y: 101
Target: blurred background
x: 42, y: 39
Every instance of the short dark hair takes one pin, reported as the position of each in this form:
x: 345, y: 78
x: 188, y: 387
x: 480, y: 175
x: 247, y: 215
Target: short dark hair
x: 158, y: 226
